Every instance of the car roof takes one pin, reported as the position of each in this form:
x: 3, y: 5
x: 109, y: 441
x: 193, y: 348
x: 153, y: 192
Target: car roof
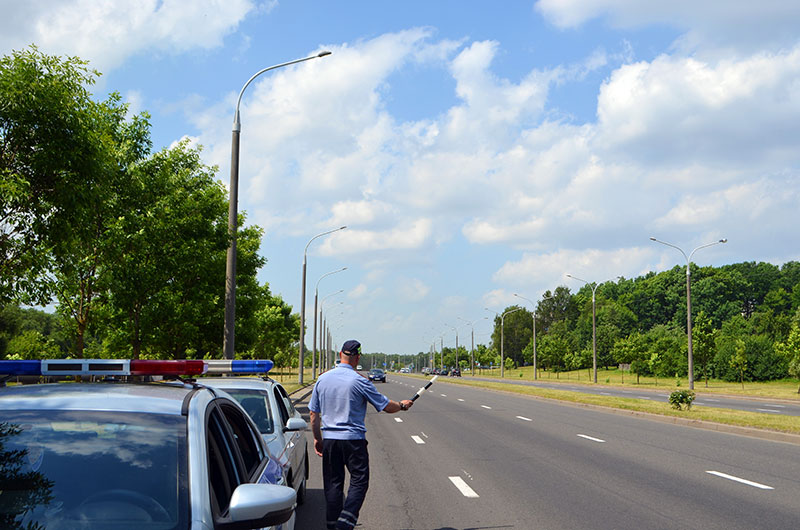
x: 248, y: 382
x: 157, y: 398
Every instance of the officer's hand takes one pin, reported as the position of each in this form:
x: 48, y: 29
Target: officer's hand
x: 318, y: 447
x: 407, y: 403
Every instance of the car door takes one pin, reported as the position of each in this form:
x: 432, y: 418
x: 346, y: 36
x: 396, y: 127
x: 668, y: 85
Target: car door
x: 295, y: 452
x: 236, y: 455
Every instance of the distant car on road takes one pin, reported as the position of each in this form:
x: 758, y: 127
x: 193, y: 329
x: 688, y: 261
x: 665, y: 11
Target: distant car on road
x: 456, y: 372
x: 376, y: 374
x: 426, y: 370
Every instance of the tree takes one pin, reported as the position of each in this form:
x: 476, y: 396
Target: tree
x: 790, y: 350
x: 50, y: 158
x: 166, y: 252
x: 739, y: 359
x: 703, y: 337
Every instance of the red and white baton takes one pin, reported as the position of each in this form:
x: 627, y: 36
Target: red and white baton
x: 424, y: 388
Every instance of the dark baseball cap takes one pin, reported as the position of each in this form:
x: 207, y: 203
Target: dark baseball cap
x: 351, y: 347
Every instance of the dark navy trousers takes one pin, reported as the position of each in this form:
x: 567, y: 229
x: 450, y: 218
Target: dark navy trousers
x: 338, y: 455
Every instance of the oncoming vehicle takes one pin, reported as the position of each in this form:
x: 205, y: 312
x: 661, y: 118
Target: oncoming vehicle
x: 376, y: 374
x: 132, y: 455
x: 268, y: 404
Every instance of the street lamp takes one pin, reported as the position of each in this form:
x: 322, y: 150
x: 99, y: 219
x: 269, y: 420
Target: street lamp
x: 303, y: 311
x: 316, y: 295
x: 502, y: 325
x: 456, y: 332
x: 533, y: 315
x: 689, y: 297
x: 230, y: 266
x: 594, y: 286
x: 472, y: 347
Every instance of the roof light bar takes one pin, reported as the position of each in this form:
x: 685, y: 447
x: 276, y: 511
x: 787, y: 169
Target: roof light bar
x: 102, y: 367
x: 21, y: 367
x: 243, y: 366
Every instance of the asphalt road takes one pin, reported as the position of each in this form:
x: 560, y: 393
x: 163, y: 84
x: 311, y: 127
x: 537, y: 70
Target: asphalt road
x: 466, y: 458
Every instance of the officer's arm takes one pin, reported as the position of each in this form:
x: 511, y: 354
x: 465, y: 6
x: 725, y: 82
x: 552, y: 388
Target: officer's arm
x: 395, y: 406
x: 317, y: 431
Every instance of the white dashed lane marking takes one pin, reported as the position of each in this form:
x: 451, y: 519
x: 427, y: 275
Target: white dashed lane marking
x: 598, y: 440
x: 418, y: 439
x: 399, y: 420
x: 740, y: 480
x: 460, y: 399
x: 462, y: 486
x: 524, y: 418
x: 484, y: 406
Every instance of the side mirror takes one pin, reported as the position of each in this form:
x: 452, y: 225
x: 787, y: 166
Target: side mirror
x: 261, y: 505
x: 295, y: 424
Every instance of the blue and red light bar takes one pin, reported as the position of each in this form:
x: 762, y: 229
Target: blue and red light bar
x: 102, y: 367
x: 240, y: 367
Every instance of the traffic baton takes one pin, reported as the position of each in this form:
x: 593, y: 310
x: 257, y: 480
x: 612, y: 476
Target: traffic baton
x: 424, y: 388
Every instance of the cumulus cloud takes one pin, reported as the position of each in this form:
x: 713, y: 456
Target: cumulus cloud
x: 108, y: 32
x: 737, y: 24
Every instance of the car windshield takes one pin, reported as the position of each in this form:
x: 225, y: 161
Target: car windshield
x: 256, y: 403
x: 376, y: 372
x: 91, y: 470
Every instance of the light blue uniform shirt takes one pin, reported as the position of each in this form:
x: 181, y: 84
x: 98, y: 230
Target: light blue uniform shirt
x: 340, y: 398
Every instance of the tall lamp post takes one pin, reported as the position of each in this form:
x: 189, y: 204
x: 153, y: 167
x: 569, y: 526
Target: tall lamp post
x: 689, y: 297
x: 471, y: 324
x: 502, y: 325
x: 303, y: 311
x: 316, y: 295
x: 230, y: 266
x: 533, y: 315
x: 456, y: 332
x: 594, y: 286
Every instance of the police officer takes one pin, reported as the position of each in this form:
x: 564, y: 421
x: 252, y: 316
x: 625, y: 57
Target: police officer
x: 338, y: 406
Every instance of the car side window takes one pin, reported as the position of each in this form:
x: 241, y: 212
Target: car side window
x: 287, y: 401
x: 281, y: 405
x: 224, y: 474
x: 245, y: 437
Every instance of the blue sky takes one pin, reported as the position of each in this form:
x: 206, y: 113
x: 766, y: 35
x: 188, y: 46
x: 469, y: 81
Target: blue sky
x: 474, y: 149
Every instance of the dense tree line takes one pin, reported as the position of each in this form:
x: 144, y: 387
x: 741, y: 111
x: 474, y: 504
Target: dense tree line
x: 127, y: 244
x: 745, y: 324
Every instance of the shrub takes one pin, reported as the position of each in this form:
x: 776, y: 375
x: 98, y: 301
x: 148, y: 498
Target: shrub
x: 681, y: 397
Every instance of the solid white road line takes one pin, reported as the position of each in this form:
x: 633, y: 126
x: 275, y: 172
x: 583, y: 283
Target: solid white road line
x: 743, y: 481
x: 484, y: 406
x: 399, y: 420
x: 592, y: 438
x: 524, y: 418
x: 769, y: 410
x: 462, y: 486
x: 418, y: 439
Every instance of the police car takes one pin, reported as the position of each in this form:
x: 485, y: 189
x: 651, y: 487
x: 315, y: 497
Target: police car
x: 268, y: 404
x: 128, y: 455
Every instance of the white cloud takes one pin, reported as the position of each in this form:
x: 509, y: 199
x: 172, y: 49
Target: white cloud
x: 107, y: 32
x: 545, y: 271
x: 413, y: 290
x: 739, y: 24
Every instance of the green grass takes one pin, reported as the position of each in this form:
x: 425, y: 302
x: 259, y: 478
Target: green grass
x: 782, y: 390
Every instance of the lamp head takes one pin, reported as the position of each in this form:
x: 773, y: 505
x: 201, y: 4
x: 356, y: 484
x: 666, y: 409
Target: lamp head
x: 323, y: 53
x: 723, y: 240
